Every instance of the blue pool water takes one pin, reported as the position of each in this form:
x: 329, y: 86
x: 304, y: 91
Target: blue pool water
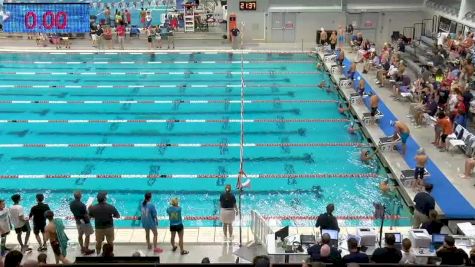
x: 181, y: 78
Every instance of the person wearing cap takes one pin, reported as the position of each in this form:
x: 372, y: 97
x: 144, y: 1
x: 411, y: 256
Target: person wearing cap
x: 421, y: 160
x: 104, y: 215
x: 176, y: 225
x: 401, y: 130
x: 424, y: 203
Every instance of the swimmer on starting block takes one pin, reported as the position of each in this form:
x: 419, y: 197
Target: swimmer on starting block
x: 401, y: 130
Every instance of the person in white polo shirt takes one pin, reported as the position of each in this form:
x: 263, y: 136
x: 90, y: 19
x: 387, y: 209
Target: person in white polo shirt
x: 20, y: 222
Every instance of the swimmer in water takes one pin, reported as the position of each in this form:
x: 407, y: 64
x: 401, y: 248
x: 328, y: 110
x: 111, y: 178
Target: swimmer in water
x: 341, y: 108
x: 352, y: 129
x: 365, y: 156
x: 384, y: 187
x: 322, y: 84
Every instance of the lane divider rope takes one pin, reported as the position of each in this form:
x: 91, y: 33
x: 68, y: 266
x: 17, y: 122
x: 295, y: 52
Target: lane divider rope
x: 159, y: 62
x: 184, y: 121
x: 180, y: 176
x: 160, y: 101
x: 189, y: 145
x: 163, y: 73
x: 69, y: 86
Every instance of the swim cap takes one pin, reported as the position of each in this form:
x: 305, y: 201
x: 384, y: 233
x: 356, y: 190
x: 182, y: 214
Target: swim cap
x: 421, y: 151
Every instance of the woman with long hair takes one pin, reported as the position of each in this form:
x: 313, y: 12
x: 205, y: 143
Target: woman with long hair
x: 176, y: 225
x: 228, y: 212
x: 150, y: 221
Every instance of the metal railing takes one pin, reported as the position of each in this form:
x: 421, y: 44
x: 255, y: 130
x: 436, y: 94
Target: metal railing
x: 259, y: 227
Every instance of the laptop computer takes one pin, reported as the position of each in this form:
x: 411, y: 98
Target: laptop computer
x: 438, y: 240
x: 398, y: 239
x: 307, y: 239
x: 333, y: 237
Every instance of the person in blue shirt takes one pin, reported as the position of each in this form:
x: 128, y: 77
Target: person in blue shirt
x: 149, y: 221
x: 176, y: 225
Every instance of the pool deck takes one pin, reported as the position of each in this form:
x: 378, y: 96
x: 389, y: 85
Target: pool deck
x: 450, y: 163
x: 201, y: 242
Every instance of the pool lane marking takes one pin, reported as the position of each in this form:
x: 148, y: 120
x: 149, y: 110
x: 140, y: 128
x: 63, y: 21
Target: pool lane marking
x: 348, y: 144
x: 75, y: 102
x: 266, y: 175
x: 184, y: 121
x: 164, y: 62
x: 165, y: 73
x: 219, y: 86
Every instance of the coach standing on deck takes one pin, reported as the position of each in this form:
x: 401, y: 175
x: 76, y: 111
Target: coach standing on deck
x: 104, y: 215
x: 327, y: 220
x: 424, y: 203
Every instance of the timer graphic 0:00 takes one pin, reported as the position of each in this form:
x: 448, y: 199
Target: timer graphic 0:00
x: 50, y: 20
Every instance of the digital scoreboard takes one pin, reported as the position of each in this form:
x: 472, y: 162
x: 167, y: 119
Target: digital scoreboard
x: 247, y: 5
x: 46, y: 17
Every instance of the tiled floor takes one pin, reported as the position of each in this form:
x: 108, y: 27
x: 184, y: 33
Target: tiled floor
x: 129, y: 241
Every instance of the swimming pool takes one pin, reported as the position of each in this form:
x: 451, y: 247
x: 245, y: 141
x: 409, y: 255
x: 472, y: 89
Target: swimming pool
x: 169, y: 123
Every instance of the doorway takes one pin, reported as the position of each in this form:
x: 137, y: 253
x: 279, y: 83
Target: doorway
x: 283, y: 27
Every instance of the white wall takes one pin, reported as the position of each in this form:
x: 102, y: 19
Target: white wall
x: 308, y: 23
x: 396, y: 21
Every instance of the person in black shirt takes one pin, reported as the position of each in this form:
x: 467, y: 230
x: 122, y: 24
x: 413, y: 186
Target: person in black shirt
x: 104, y: 215
x: 83, y: 223
x: 39, y: 220
x: 355, y: 256
x: 424, y: 203
x: 229, y: 210
x: 434, y: 225
x: 314, y: 251
x: 388, y: 254
x: 327, y: 220
x: 99, y: 33
x: 450, y: 254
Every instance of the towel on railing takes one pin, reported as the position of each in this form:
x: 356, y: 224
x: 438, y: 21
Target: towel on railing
x: 61, y: 235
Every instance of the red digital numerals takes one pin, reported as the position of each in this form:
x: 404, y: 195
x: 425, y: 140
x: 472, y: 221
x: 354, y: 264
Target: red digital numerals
x: 49, y: 20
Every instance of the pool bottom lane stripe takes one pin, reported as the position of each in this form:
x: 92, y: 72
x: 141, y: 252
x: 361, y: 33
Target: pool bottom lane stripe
x: 348, y: 144
x: 184, y: 121
x: 180, y: 176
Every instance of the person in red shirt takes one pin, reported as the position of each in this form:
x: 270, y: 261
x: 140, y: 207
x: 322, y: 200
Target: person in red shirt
x: 447, y: 129
x: 128, y: 17
x: 121, y: 34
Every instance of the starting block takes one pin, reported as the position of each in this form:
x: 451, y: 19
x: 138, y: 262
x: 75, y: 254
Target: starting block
x: 388, y: 143
x: 345, y: 83
x: 356, y: 98
x: 319, y: 48
x: 407, y: 177
x: 330, y: 58
x: 335, y: 69
x: 367, y: 117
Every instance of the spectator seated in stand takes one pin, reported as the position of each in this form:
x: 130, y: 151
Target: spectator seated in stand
x: 402, y: 87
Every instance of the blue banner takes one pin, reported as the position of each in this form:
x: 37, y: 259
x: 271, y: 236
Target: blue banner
x: 46, y: 18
